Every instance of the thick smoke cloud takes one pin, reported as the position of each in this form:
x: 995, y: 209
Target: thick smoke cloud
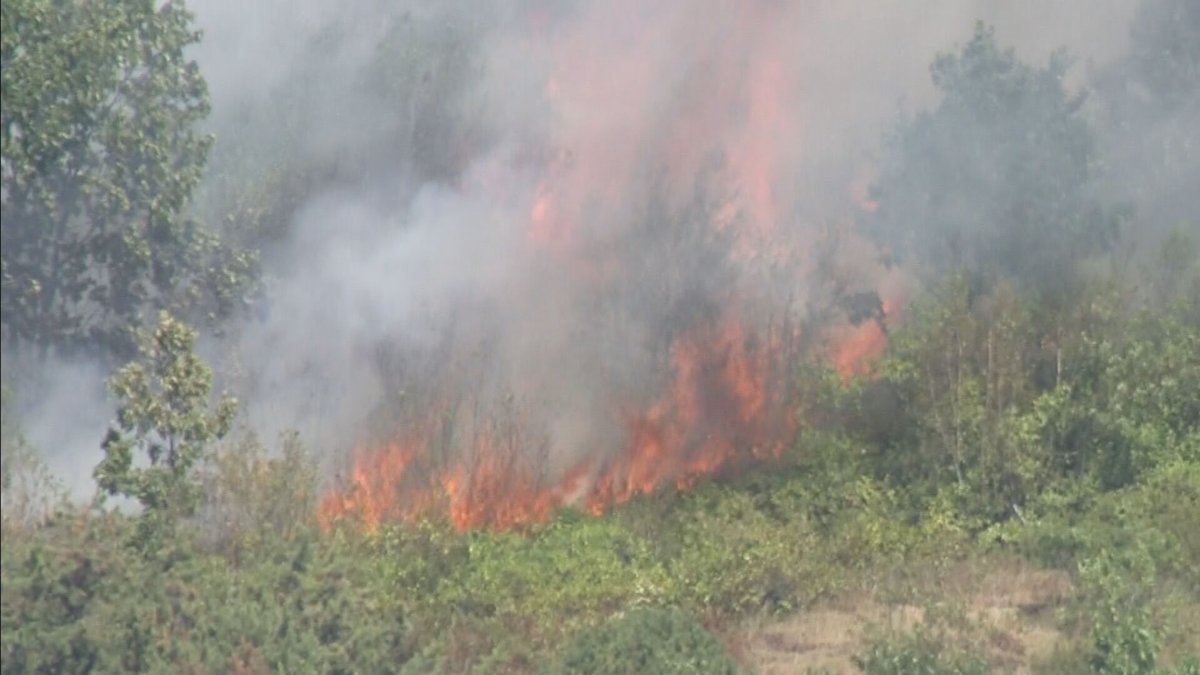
x: 61, y: 409
x: 575, y: 241
x: 531, y: 203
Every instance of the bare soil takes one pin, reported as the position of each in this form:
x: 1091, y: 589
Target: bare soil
x: 1006, y: 608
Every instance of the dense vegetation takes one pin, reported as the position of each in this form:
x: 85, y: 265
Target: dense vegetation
x: 1038, y: 406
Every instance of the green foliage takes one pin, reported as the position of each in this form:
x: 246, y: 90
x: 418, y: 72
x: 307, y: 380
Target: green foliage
x: 165, y: 415
x: 994, y: 411
x: 252, y: 499
x: 413, y: 115
x: 1191, y: 666
x: 571, y: 571
x: 647, y: 640
x: 423, y: 66
x: 922, y: 652
x: 1137, y: 559
x: 1132, y: 404
x: 51, y: 579
x: 1158, y: 516
x: 1146, y: 102
x: 771, y: 544
x: 960, y: 380
x: 998, y: 421
x: 724, y: 551
x: 100, y: 158
x: 568, y: 570
x: 1175, y: 279
x: 1124, y: 640
x: 76, y: 600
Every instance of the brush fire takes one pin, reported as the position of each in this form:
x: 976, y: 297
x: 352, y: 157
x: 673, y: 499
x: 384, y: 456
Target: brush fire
x: 664, y: 295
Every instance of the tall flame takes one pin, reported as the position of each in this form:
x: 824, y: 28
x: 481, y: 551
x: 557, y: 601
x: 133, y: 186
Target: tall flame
x: 721, y: 386
x: 726, y: 403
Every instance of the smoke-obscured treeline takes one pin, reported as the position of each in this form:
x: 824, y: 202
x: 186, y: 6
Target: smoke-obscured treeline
x: 600, y: 337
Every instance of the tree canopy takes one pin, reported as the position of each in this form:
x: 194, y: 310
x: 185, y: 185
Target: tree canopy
x: 100, y: 157
x: 164, y: 412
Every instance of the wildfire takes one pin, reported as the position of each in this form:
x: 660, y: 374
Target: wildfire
x: 857, y: 351
x: 716, y: 394
x: 725, y: 404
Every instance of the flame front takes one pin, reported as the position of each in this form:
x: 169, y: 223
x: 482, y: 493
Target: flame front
x: 630, y: 127
x: 726, y: 403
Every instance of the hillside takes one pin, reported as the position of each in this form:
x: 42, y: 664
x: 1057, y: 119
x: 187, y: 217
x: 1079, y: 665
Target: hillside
x: 600, y: 337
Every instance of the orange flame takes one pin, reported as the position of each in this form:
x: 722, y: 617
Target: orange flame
x: 725, y: 404
x: 855, y: 354
x: 725, y: 386
x: 861, y: 346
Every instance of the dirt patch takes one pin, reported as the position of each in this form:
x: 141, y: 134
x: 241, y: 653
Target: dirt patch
x: 1007, y: 606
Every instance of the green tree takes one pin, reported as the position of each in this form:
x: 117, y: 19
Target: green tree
x: 100, y: 158
x: 77, y: 600
x: 994, y: 180
x: 413, y: 115
x: 165, y: 413
x: 1132, y: 404
x: 959, y: 380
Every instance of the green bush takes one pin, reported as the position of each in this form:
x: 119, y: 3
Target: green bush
x: 1123, y: 636
x: 646, y: 640
x: 723, y: 553
x: 545, y: 581
x: 77, y: 599
x: 922, y: 652
x: 1158, y: 514
x: 253, y: 498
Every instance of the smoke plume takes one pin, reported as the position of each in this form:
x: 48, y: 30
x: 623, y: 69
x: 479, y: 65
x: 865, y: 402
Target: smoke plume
x: 566, y: 249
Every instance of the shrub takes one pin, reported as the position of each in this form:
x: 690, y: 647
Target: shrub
x: 1124, y: 639
x: 76, y: 599
x: 252, y: 499
x: 647, y: 640
x: 922, y: 652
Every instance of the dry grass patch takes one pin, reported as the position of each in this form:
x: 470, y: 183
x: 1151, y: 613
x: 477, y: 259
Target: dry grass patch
x: 1005, y: 607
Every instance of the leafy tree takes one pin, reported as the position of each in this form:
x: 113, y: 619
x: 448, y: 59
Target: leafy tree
x: 994, y: 180
x: 412, y: 115
x: 421, y: 68
x: 959, y: 382
x: 1132, y: 405
x: 164, y: 413
x: 100, y: 158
